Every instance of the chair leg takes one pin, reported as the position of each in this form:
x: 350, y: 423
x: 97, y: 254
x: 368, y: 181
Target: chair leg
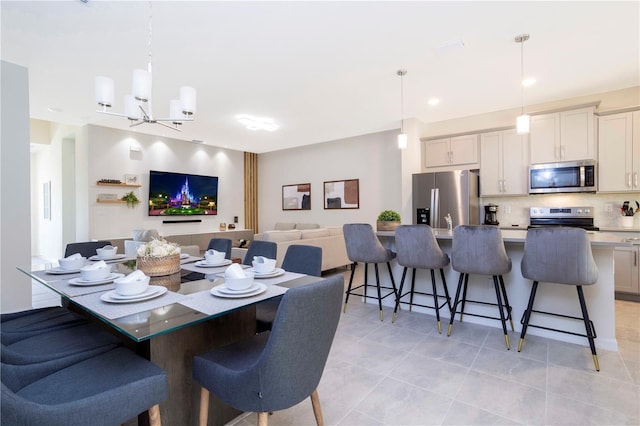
x: 464, y: 295
x: 263, y: 419
x: 435, y: 300
x: 587, y: 326
x: 446, y: 290
x: 413, y: 287
x: 527, y: 314
x: 204, y: 407
x: 317, y: 410
x: 375, y: 268
x: 366, y: 281
x: 348, y: 292
x: 154, y: 416
x: 395, y: 309
x: 393, y: 282
x: 455, y: 304
x: 496, y: 285
x: 506, y: 301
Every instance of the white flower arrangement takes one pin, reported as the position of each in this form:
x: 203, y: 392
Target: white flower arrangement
x: 158, y: 248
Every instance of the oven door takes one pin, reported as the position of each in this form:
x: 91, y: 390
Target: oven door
x: 579, y: 176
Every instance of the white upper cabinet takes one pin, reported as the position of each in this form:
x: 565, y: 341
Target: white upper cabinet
x: 619, y: 152
x: 563, y: 136
x: 504, y: 163
x: 453, y: 151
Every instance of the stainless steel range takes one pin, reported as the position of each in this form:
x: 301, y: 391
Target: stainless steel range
x: 577, y: 217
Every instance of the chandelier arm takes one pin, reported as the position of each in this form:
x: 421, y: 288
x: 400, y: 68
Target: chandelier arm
x: 117, y: 114
x: 176, y: 128
x: 174, y: 120
x: 137, y: 123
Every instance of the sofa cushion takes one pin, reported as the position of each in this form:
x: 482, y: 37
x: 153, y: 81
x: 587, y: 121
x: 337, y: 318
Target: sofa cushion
x: 335, y: 230
x: 277, y: 236
x: 284, y: 226
x: 307, y: 226
x: 314, y: 233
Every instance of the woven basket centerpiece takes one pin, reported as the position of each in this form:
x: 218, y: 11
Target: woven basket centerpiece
x: 158, y: 258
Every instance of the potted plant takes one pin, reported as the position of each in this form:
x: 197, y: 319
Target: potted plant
x: 388, y: 220
x: 131, y: 199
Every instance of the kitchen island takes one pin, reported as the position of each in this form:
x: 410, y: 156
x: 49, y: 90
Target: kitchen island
x: 552, y: 298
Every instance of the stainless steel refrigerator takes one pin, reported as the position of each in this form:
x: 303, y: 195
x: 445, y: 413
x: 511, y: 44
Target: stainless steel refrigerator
x: 437, y: 194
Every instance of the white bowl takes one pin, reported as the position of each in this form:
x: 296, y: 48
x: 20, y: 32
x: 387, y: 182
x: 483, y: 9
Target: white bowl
x: 94, y: 274
x: 69, y: 264
x: 132, y: 287
x: 214, y: 258
x: 239, y: 283
x: 264, y: 267
x: 107, y: 252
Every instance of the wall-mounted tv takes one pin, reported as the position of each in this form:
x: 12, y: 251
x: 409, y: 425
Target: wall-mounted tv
x: 181, y: 194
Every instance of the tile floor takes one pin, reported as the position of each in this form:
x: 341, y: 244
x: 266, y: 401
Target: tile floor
x: 379, y: 373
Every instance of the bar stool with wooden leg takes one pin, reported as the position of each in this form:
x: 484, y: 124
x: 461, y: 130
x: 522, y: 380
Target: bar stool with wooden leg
x: 559, y: 256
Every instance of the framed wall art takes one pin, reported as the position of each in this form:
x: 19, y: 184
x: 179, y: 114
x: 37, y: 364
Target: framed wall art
x: 296, y: 197
x: 342, y: 194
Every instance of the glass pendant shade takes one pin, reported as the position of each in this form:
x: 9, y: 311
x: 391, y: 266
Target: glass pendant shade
x: 188, y: 100
x: 104, y: 89
x: 522, y: 124
x: 402, y: 140
x: 141, y: 87
x: 131, y: 109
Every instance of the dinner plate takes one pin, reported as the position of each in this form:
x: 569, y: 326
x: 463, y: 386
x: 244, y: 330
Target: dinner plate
x: 259, y: 289
x: 113, y: 259
x: 203, y: 264
x: 222, y: 288
x: 275, y: 273
x: 152, y: 292
x: 60, y: 271
x: 108, y: 279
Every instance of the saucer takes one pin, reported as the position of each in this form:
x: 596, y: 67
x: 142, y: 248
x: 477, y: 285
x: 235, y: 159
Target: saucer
x: 108, y: 279
x: 111, y: 259
x: 203, y: 264
x: 275, y: 273
x: 257, y: 288
x: 152, y: 292
x: 60, y: 271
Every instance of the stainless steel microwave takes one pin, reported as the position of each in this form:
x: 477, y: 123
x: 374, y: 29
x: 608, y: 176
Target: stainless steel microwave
x: 570, y: 176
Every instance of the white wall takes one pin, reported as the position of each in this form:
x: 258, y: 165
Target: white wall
x: 108, y: 153
x: 373, y: 159
x: 15, y: 203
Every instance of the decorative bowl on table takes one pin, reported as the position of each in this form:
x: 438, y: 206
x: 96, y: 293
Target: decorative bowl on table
x: 158, y: 258
x: 70, y: 264
x: 107, y: 252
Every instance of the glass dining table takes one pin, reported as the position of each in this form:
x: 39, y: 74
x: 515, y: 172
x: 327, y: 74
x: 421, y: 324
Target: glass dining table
x: 187, y: 315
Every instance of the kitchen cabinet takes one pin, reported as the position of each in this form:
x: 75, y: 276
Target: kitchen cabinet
x: 504, y: 163
x: 626, y: 269
x: 563, y: 136
x: 455, y: 150
x: 619, y: 152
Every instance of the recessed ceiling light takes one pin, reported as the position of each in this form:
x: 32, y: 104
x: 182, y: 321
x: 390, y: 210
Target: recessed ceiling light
x: 257, y: 123
x: 434, y: 101
x: 528, y: 82
x: 54, y: 109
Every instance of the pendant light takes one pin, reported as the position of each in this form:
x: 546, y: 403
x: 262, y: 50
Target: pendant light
x: 523, y: 121
x: 402, y: 137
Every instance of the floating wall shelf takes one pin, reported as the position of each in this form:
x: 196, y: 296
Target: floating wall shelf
x: 123, y: 185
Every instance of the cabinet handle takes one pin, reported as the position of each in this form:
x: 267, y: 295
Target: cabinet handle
x: 629, y: 179
x: 635, y: 179
x: 451, y: 157
x: 635, y: 258
x: 562, y: 153
x: 504, y: 185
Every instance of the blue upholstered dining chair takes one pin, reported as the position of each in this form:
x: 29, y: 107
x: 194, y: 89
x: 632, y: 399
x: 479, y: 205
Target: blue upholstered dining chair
x: 86, y: 249
x: 277, y: 369
x: 22, y: 325
x: 298, y: 258
x: 221, y: 244
x: 267, y: 249
x: 107, y: 389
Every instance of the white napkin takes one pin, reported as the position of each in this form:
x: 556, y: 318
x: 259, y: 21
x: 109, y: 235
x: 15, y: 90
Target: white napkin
x: 136, y: 275
x: 234, y: 271
x: 74, y: 256
x: 98, y: 265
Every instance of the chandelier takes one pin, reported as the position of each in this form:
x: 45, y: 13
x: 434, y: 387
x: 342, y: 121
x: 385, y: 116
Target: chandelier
x: 402, y: 136
x: 138, y: 105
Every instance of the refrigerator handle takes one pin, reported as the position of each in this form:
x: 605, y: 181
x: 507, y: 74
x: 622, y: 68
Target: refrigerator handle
x: 434, y: 220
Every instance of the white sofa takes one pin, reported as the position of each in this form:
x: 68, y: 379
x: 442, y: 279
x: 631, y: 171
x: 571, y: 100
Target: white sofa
x: 330, y: 239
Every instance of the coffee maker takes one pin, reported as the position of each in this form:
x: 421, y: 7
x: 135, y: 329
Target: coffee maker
x: 491, y: 214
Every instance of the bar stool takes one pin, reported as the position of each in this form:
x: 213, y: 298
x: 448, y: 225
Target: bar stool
x: 417, y: 248
x: 559, y: 256
x: 480, y: 250
x: 363, y: 246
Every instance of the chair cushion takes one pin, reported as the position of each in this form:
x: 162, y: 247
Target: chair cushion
x: 479, y: 250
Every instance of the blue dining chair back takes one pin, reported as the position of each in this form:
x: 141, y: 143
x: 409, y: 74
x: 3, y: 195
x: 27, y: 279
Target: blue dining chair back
x: 275, y: 370
x: 221, y: 244
x: 23, y: 325
x: 86, y: 249
x: 303, y: 259
x: 267, y: 249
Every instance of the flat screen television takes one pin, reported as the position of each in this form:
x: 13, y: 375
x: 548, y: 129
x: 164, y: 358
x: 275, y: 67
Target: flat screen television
x: 181, y: 194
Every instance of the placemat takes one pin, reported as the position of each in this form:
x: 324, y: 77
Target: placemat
x: 207, y: 271
x: 287, y: 276
x: 190, y: 259
x: 209, y: 304
x: 117, y: 310
x: 43, y: 276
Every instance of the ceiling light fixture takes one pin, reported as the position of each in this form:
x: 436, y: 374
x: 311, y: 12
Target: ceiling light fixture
x: 402, y: 137
x: 257, y: 123
x: 137, y: 106
x: 523, y: 121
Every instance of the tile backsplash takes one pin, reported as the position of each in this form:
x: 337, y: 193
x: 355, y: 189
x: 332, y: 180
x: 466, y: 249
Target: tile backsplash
x: 515, y: 210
